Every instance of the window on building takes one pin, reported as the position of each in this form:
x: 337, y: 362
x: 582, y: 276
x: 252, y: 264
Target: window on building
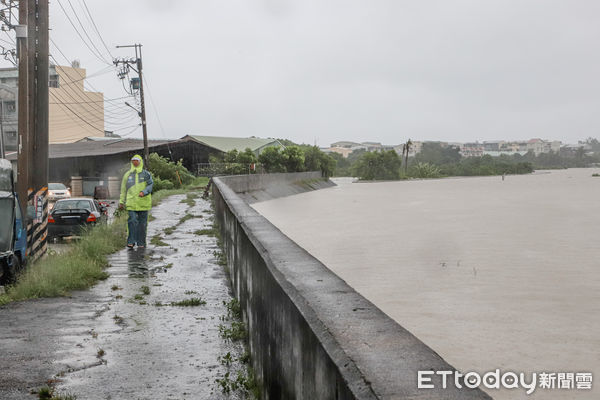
x: 10, y: 106
x: 53, y: 81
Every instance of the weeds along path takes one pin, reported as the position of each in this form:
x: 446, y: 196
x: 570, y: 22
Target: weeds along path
x: 153, y: 329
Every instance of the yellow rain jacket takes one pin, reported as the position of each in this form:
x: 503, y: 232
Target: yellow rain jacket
x: 137, y: 180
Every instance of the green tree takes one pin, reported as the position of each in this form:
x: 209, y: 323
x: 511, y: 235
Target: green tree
x: 378, y: 165
x: 316, y: 160
x: 293, y: 159
x: 272, y: 160
x: 435, y: 153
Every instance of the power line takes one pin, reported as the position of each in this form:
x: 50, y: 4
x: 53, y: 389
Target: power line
x: 112, y: 121
x: 79, y: 94
x: 84, y: 120
x: 158, y: 117
x: 96, y: 28
x: 75, y: 114
x: 99, y: 56
x: 78, y: 73
x: 103, y: 71
x: 97, y: 101
x: 83, y: 28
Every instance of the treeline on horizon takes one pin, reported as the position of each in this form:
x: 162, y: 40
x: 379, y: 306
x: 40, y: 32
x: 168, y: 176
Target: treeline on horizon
x: 434, y: 161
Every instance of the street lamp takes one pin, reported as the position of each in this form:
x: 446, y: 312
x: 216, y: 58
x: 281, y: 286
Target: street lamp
x: 134, y: 109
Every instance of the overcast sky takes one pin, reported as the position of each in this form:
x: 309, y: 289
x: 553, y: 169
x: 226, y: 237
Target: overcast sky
x: 328, y: 70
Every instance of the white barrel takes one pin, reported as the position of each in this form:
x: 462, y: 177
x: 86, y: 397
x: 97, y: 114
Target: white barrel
x: 76, y: 186
x: 114, y: 187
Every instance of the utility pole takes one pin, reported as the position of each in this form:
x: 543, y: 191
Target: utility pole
x: 127, y: 64
x: 2, y: 151
x: 32, y: 173
x: 23, y: 148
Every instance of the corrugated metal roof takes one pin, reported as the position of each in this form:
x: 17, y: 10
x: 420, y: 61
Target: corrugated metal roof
x: 226, y: 144
x: 97, y: 148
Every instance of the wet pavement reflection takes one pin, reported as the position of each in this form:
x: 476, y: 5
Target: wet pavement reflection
x: 123, y: 339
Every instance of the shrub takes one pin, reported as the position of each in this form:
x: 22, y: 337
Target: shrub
x: 166, y: 170
x: 425, y: 170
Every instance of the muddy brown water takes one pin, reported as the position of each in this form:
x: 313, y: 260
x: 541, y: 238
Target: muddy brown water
x: 489, y: 273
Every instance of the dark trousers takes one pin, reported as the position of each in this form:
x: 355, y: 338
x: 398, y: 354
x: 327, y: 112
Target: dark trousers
x: 136, y: 227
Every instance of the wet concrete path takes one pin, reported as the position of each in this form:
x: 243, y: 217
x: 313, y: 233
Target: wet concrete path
x: 123, y: 339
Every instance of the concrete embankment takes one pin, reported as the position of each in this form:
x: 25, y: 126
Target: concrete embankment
x: 311, y: 335
x: 262, y: 187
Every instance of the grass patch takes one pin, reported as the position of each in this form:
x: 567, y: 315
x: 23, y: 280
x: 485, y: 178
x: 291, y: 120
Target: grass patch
x: 156, y: 241
x: 169, y: 230
x: 138, y: 297
x: 168, y: 266
x: 47, y: 393
x: 221, y: 258
x: 145, y: 290
x: 78, y: 268
x: 237, y: 331
x: 234, y: 310
x: 189, y: 199
x: 187, y: 217
x: 207, y: 232
x: 115, y: 287
x: 83, y: 265
x: 100, y: 353
x: 193, y: 302
x: 151, y: 218
x: 159, y: 196
x: 189, y: 255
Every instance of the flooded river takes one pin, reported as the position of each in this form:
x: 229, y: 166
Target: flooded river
x: 489, y: 273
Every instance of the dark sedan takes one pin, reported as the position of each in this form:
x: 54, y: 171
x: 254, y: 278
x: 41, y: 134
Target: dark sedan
x: 70, y: 216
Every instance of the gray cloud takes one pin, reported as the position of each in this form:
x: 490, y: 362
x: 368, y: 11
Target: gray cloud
x: 360, y: 70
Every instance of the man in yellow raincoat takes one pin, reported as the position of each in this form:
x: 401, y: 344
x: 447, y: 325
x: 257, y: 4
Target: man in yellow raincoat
x: 136, y: 198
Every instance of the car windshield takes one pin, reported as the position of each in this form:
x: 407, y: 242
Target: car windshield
x: 73, y: 205
x: 56, y: 186
x: 7, y: 209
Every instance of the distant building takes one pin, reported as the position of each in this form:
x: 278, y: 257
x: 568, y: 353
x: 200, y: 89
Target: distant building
x: 344, y: 151
x: 471, y: 149
x: 372, y: 146
x: 414, y: 149
x: 345, y: 144
x: 74, y: 113
x: 225, y: 144
x: 8, y: 115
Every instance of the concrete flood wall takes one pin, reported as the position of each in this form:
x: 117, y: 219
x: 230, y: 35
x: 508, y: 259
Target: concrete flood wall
x: 312, y: 336
x: 262, y: 187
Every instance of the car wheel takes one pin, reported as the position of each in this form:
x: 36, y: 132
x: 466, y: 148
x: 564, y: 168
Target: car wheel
x: 10, y: 269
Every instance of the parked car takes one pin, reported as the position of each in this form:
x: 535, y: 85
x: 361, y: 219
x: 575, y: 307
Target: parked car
x: 13, y: 232
x: 58, y: 191
x: 70, y: 216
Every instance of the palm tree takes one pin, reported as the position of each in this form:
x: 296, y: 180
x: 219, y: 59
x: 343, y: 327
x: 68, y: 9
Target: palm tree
x: 407, y: 146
